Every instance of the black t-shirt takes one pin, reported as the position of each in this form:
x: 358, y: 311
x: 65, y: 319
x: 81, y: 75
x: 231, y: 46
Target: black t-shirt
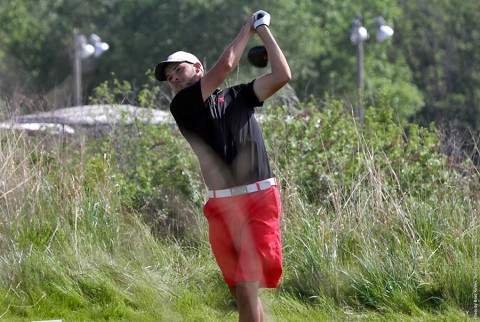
x: 224, y: 134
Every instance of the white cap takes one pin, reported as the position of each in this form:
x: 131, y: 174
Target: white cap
x: 177, y: 57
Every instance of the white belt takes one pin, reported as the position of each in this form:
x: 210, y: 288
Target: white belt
x: 241, y: 190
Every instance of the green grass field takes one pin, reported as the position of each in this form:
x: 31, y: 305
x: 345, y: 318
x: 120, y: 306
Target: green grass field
x: 76, y: 246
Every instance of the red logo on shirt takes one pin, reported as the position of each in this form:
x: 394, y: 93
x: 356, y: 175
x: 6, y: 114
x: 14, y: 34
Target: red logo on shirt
x: 221, y: 100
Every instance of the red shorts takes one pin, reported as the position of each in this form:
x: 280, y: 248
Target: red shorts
x: 244, y: 233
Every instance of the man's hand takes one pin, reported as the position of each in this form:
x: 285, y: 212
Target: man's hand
x: 280, y: 74
x: 261, y: 18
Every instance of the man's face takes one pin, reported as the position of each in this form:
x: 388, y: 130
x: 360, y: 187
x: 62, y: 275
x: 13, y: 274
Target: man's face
x: 182, y: 75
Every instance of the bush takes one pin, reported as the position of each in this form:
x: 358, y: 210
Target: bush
x: 372, y: 214
x: 154, y: 168
x: 324, y: 147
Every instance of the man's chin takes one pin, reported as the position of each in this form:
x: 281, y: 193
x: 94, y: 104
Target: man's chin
x: 182, y: 87
x: 177, y: 89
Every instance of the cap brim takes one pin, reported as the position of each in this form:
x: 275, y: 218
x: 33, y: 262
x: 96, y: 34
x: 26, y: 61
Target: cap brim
x: 160, y: 71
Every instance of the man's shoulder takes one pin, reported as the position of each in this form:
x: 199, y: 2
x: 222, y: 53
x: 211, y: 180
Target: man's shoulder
x: 244, y: 92
x: 242, y: 88
x: 187, y: 96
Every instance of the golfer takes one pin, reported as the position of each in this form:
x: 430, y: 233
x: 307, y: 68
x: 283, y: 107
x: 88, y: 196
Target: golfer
x: 243, y: 209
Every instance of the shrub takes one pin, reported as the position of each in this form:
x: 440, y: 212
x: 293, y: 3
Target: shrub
x: 324, y: 147
x: 156, y: 172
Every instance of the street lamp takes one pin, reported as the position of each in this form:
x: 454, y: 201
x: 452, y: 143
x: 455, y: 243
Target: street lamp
x: 358, y: 35
x: 83, y: 49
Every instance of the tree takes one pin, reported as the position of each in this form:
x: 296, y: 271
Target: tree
x: 36, y: 40
x: 30, y: 40
x: 440, y: 43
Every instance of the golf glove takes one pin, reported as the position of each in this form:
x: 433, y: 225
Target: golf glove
x: 261, y: 18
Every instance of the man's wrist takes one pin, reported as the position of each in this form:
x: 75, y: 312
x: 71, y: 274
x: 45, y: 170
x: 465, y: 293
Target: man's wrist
x: 262, y: 30
x: 261, y: 26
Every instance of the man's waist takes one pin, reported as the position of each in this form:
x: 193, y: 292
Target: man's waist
x: 243, y: 189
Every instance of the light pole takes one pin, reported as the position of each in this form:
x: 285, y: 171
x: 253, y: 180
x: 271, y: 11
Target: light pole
x: 82, y: 49
x: 358, y: 35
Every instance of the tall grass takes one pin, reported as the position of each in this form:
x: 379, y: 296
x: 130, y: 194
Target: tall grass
x: 379, y: 251
x: 69, y: 249
x: 374, y: 240
x: 360, y: 240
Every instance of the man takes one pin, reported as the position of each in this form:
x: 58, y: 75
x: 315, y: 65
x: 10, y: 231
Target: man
x: 243, y: 209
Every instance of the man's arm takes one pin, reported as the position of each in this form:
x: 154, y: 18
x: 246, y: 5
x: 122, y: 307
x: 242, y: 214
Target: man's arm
x: 266, y: 85
x: 228, y: 61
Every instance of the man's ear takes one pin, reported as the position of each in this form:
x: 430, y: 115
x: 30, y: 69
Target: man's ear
x: 198, y: 66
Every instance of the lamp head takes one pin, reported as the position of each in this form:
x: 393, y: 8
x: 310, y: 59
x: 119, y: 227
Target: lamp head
x: 100, y: 47
x: 359, y: 33
x: 383, y: 31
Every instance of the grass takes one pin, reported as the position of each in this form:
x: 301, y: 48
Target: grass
x: 71, y: 250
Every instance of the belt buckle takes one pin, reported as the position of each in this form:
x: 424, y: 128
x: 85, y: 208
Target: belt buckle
x: 238, y: 190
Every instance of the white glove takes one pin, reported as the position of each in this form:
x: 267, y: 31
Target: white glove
x: 261, y: 18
